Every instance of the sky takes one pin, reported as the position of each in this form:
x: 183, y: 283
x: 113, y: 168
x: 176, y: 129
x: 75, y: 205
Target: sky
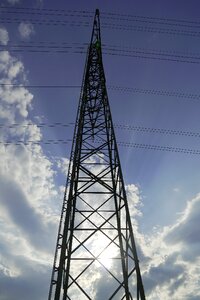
x: 151, y: 56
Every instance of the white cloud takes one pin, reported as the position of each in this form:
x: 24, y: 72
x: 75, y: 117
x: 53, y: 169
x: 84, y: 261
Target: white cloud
x: 15, y: 101
x: 19, y: 96
x: 26, y: 30
x: 63, y: 164
x: 185, y: 233
x: 10, y: 67
x: 172, y: 270
x: 134, y: 200
x: 28, y: 201
x: 4, y: 37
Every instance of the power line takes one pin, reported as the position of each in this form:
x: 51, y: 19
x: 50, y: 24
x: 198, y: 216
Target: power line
x: 160, y: 148
x: 67, y: 14
x: 33, y: 49
x: 165, y: 51
x: 45, y: 43
x: 123, y: 53
x: 40, y: 86
x: 123, y: 144
x: 125, y: 16
x: 140, y: 129
x: 120, y: 47
x: 110, y: 15
x: 47, y: 23
x: 170, y: 53
x: 42, y: 48
x: 149, y: 20
x: 121, y: 89
x: 151, y: 30
x: 40, y: 125
x: 143, y: 129
x: 46, y: 9
x: 29, y: 142
x: 145, y: 56
x: 140, y: 19
x: 105, y: 25
x: 112, y: 48
x: 165, y: 93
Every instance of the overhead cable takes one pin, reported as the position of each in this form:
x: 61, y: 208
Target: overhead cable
x: 140, y: 129
x: 160, y: 55
x: 110, y: 15
x: 123, y: 144
x: 121, y: 89
x: 106, y: 47
x: 126, y: 27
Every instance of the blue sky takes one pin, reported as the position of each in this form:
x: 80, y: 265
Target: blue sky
x: 163, y: 186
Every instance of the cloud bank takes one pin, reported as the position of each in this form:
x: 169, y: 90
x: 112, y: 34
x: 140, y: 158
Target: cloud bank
x: 29, y: 199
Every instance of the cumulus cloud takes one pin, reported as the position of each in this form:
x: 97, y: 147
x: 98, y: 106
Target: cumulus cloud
x: 22, y: 214
x: 26, y: 30
x: 29, y: 206
x: 4, y: 37
x: 164, y: 273
x: 185, y: 233
x: 10, y: 67
x: 15, y: 102
x: 63, y: 164
x: 172, y: 271
x: 32, y: 281
x: 134, y: 200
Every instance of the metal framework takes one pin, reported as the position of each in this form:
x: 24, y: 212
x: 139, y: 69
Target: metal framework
x: 95, y: 255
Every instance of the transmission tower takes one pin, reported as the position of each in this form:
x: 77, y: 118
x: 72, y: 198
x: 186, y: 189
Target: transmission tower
x: 95, y: 255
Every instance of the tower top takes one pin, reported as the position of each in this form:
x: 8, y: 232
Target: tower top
x: 96, y: 35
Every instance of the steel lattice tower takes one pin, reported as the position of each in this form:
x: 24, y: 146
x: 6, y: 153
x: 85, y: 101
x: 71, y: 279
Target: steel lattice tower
x: 95, y: 255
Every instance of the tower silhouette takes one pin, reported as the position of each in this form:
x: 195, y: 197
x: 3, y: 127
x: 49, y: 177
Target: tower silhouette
x: 95, y: 254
